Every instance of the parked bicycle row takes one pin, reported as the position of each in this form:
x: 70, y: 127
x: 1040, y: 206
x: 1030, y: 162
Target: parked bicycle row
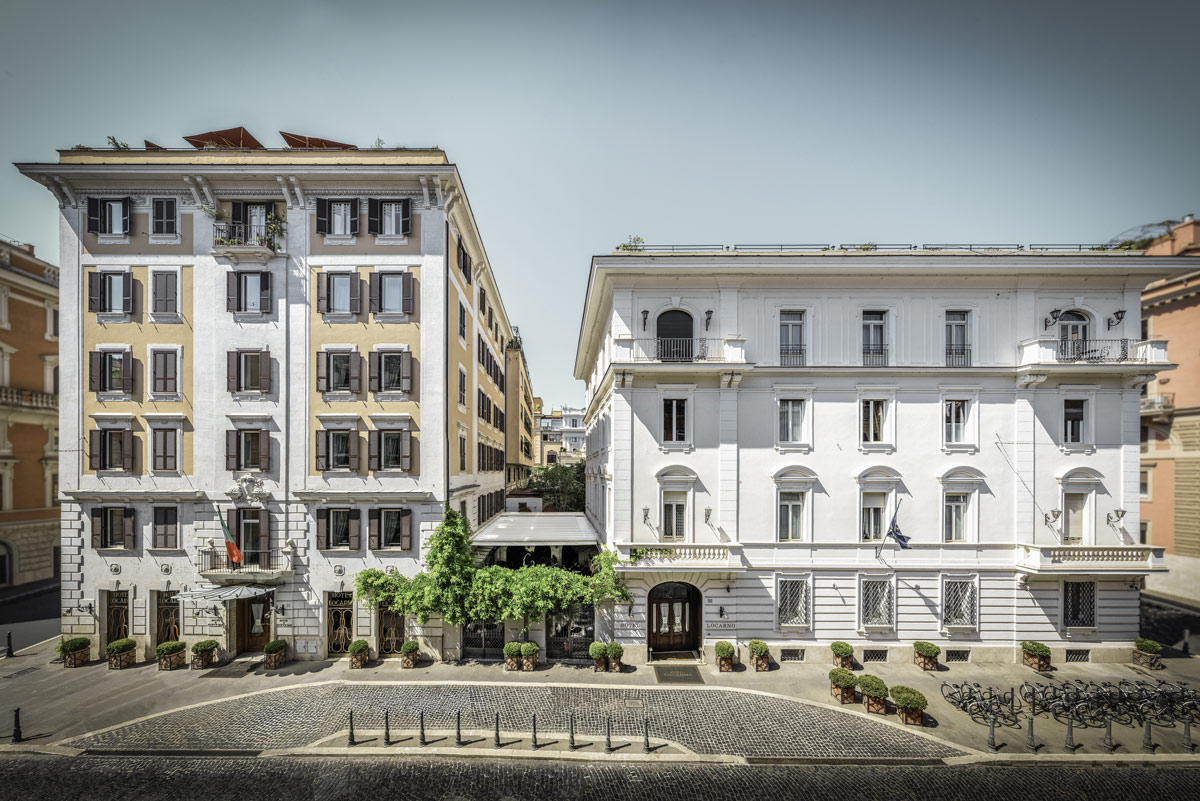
x: 1082, y: 703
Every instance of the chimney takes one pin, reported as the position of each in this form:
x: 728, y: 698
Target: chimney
x: 1187, y: 218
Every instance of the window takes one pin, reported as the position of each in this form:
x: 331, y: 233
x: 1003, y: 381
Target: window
x: 395, y: 528
x: 877, y: 602
x: 111, y: 371
x: 339, y: 294
x: 1074, y: 509
x: 1073, y: 419
x: 674, y: 516
x: 248, y: 371
x: 873, y: 411
x: 390, y: 450
x: 874, y: 505
x: 110, y: 292
x: 959, y: 603
x: 1143, y: 532
x: 462, y: 453
x: 954, y: 518
x: 337, y: 449
x: 163, y: 221
x: 165, y: 372
x: 248, y: 292
x: 251, y: 291
x: 462, y: 387
x: 791, y: 516
x: 675, y: 420
x: 112, y: 527
x: 339, y: 218
x: 958, y: 351
x: 791, y: 420
x: 165, y: 444
x: 391, y: 293
x: 793, y: 602
x: 954, y: 414
x: 339, y: 366
x: 248, y: 449
x: 394, y: 218
x: 874, y: 340
x: 339, y: 528
x: 1079, y: 604
x: 462, y: 321
x: 108, y: 215
x: 791, y: 338
x: 165, y: 292
x: 166, y: 527
x: 1144, y: 483
x: 111, y: 449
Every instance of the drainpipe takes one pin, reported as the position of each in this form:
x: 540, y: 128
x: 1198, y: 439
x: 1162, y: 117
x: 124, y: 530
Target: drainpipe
x: 446, y: 356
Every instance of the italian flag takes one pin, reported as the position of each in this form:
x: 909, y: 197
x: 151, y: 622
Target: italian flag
x: 231, y: 549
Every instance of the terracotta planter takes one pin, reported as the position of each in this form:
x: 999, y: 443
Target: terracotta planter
x: 202, y: 660
x: 912, y: 717
x: 529, y: 662
x: 77, y: 658
x: 725, y: 664
x: 359, y: 661
x: 276, y: 660
x: 512, y: 663
x: 121, y: 661
x: 614, y: 664
x: 1150, y: 661
x: 761, y: 663
x: 409, y: 660
x: 875, y: 705
x: 844, y: 695
x: 1039, y: 663
x: 846, y: 662
x: 926, y: 662
x: 172, y: 661
x: 601, y: 664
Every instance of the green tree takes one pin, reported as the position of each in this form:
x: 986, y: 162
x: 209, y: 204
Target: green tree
x: 561, y: 486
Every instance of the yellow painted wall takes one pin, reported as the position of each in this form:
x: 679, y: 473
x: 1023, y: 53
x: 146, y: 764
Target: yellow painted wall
x: 139, y: 239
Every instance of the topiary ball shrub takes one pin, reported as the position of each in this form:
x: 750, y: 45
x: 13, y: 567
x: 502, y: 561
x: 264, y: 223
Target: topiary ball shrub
x: 724, y: 650
x: 614, y: 650
x: 530, y: 649
x: 275, y: 647
x: 358, y: 647
x: 512, y: 649
x: 842, y: 678
x: 205, y: 646
x: 1034, y: 648
x: 757, y: 648
x: 169, y: 647
x: 72, y: 645
x: 872, y: 686
x: 908, y: 698
x: 1147, y: 646
x: 926, y: 649
x: 842, y: 649
x: 597, y: 650
x: 410, y: 647
x: 120, y: 646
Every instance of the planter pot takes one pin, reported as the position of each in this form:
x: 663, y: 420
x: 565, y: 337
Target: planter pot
x: 614, y: 664
x: 512, y: 663
x: 846, y: 662
x: 912, y: 717
x: 121, y: 661
x: 875, y: 705
x: 409, y: 660
x: 77, y: 658
x: 926, y: 662
x: 202, y: 660
x: 359, y: 661
x: 1151, y: 661
x: 1040, y: 663
x: 276, y: 660
x: 172, y: 661
x: 725, y: 664
x: 844, y: 695
x: 761, y: 663
x: 601, y: 664
x: 529, y: 662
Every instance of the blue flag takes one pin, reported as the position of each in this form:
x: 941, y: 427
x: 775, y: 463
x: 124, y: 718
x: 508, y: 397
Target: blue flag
x: 894, y: 529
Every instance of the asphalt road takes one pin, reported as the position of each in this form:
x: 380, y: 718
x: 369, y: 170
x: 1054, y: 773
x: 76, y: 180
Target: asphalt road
x: 31, y: 619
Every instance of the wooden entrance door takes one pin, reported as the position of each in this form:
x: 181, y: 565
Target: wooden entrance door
x: 254, y: 623
x: 674, y: 618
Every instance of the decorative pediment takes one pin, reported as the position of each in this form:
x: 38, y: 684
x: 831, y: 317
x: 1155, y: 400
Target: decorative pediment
x: 1080, y: 477
x: 676, y: 476
x: 795, y: 476
x: 878, y: 475
x: 961, y: 476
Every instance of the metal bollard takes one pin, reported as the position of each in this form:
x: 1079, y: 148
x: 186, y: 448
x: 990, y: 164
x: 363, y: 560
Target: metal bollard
x: 991, y: 743
x: 571, y: 729
x: 458, y: 741
x: 496, y: 741
x: 8, y: 650
x: 645, y: 735
x: 1187, y: 734
x: 533, y: 741
x: 608, y: 735
x: 387, y: 729
x: 16, y: 735
x: 1147, y: 739
x: 1108, y: 743
x: 1070, y: 743
x: 350, y: 739
x: 423, y: 741
x: 1012, y: 700
x: 1030, y: 745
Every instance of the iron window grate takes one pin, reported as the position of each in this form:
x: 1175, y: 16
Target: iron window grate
x: 874, y: 655
x: 959, y: 607
x: 958, y: 655
x: 1078, y: 655
x: 793, y: 602
x: 1079, y: 604
x: 877, y: 603
x: 791, y: 654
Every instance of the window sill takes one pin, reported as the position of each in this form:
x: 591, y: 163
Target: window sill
x: 339, y: 317
x: 393, y: 395
x: 876, y: 447
x: 249, y: 395
x: 113, y: 550
x: 165, y: 318
x: 112, y: 239
x: 791, y: 627
x: 394, y: 550
x: 338, y: 471
x: 793, y: 447
x: 960, y: 447
x: 793, y: 542
x: 950, y: 630
x: 675, y: 447
x: 167, y: 551
x: 390, y: 317
x: 1077, y: 448
x: 165, y: 239
x: 166, y: 473
x: 1071, y: 631
x: 112, y: 397
x: 250, y: 316
x: 341, y: 239
x: 338, y: 395
x: 49, y: 337
x: 876, y: 628
x: 164, y: 397
x: 391, y: 239
x: 391, y: 472
x: 113, y: 317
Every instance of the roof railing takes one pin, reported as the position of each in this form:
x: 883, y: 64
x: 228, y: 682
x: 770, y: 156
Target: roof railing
x: 971, y: 247
x: 781, y: 248
x: 869, y: 246
x: 1074, y: 247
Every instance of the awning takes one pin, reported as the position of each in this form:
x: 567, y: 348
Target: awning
x: 231, y: 593
x: 537, y: 528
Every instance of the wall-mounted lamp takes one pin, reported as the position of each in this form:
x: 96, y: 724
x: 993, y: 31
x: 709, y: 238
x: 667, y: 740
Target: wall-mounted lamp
x: 1116, y: 516
x: 1116, y: 319
x: 629, y: 610
x: 645, y: 316
x: 707, y: 319
x: 279, y: 609
x: 646, y: 515
x: 1053, y: 318
x: 707, y: 514
x: 1052, y: 516
x: 720, y: 611
x: 728, y: 588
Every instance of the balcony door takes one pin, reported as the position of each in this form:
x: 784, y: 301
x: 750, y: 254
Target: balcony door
x: 1072, y: 335
x: 674, y: 619
x: 674, y: 334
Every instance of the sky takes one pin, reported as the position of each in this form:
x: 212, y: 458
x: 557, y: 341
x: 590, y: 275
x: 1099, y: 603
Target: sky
x: 578, y: 124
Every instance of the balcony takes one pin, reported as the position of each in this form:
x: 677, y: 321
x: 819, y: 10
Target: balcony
x: 659, y: 556
x: 673, y: 349
x: 1050, y: 349
x: 249, y: 241
x: 256, y: 567
x: 1158, y: 405
x: 958, y: 355
x: 1121, y: 559
x: 791, y: 355
x: 875, y: 356
x: 28, y: 398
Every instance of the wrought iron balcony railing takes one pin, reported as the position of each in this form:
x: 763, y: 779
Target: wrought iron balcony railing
x: 791, y: 355
x: 679, y: 349
x: 249, y: 234
x: 1098, y: 351
x: 253, y: 564
x: 875, y: 355
x: 958, y: 355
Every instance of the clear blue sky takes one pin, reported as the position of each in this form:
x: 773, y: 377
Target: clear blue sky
x: 577, y: 124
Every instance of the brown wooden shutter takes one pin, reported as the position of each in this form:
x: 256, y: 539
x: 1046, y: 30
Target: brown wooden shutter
x: 264, y: 450
x: 322, y: 292
x: 322, y: 372
x: 355, y: 372
x: 171, y: 538
x: 406, y: 529
x: 95, y: 449
x: 126, y: 206
x: 127, y: 451
x: 93, y: 215
x: 354, y: 212
x: 406, y: 211
x: 322, y: 450
x: 171, y: 371
x: 170, y: 292
x: 238, y: 212
x: 264, y: 371
x: 127, y: 293
x: 158, y: 525
x: 264, y: 292
x: 157, y: 367
x: 170, y: 438
x: 156, y: 290
x: 128, y: 528
x: 231, y: 291
x: 372, y: 450
x: 231, y: 450
x: 231, y: 370
x: 355, y: 529
x: 406, y: 371
x: 157, y: 457
x: 354, y: 451
x: 373, y: 366
x: 373, y: 529
x: 406, y: 450
x: 127, y: 372
x: 264, y: 534
x: 95, y: 369
x: 322, y: 529
x: 373, y: 226
x: 94, y: 300
x: 373, y: 292
x: 355, y: 293
x: 322, y: 216
x: 97, y: 527
x: 407, y: 293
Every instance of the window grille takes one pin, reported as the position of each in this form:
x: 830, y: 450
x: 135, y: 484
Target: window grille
x: 1079, y: 604
x: 1078, y: 655
x: 794, y: 602
x: 958, y: 655
x: 791, y: 654
x: 958, y: 608
x: 874, y: 655
x: 877, y: 603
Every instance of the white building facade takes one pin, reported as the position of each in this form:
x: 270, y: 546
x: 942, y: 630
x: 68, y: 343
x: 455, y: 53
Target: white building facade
x: 756, y: 421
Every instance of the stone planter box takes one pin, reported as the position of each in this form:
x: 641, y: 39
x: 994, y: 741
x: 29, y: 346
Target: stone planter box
x: 1039, y: 663
x: 203, y: 660
x: 846, y: 662
x: 529, y: 662
x: 409, y: 661
x: 78, y: 658
x: 276, y: 660
x: 725, y: 664
x: 614, y: 664
x: 601, y: 664
x: 172, y: 661
x: 877, y: 706
x: 1147, y: 660
x: 359, y: 661
x: 121, y: 661
x: 761, y: 663
x: 911, y: 717
x: 844, y: 695
x: 925, y: 662
x: 512, y: 663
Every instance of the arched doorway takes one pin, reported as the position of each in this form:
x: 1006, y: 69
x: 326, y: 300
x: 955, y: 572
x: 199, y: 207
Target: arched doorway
x: 1072, y: 336
x: 674, y: 333
x: 674, y: 618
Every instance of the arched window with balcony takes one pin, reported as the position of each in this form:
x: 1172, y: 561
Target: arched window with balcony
x: 1073, y: 335
x: 673, y: 333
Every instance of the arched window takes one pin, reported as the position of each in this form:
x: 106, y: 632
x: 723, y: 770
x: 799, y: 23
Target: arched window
x: 1073, y: 325
x: 551, y: 458
x: 674, y: 332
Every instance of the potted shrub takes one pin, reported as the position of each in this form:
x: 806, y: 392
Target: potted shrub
x: 529, y: 655
x: 75, y: 651
x: 1147, y: 653
x: 120, y: 653
x: 843, y: 654
x: 925, y: 654
x: 841, y: 685
x: 203, y: 654
x: 724, y: 651
x: 597, y: 651
x: 171, y: 654
x: 614, y: 651
x: 760, y: 655
x: 276, y: 651
x: 410, y: 652
x: 909, y: 704
x: 1035, y: 655
x: 359, y: 652
x: 512, y: 655
x: 874, y: 693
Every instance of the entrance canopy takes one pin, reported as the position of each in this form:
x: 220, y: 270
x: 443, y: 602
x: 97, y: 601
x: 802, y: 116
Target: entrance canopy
x: 537, y: 528
x: 218, y: 594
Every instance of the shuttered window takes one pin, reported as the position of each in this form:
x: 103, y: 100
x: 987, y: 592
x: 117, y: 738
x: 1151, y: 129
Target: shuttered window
x: 165, y: 444
x: 674, y: 519
x: 163, y: 365
x: 1074, y: 509
x: 110, y: 371
x: 163, y: 221
x: 164, y: 290
x: 166, y: 527
x: 111, y: 449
